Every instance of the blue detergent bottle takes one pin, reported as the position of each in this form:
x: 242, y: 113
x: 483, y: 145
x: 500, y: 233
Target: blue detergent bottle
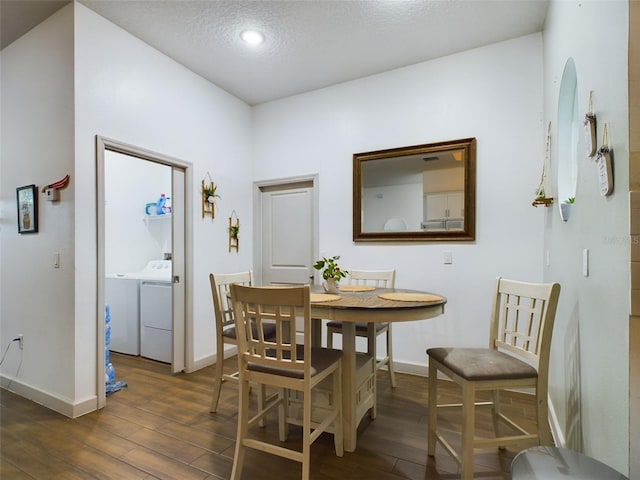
x: 109, y: 370
x: 110, y: 375
x: 160, y: 204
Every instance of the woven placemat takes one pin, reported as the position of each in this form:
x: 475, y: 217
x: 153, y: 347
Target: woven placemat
x: 356, y: 288
x: 410, y: 297
x: 323, y: 297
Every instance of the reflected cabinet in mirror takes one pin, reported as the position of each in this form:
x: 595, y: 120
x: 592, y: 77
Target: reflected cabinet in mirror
x: 420, y: 193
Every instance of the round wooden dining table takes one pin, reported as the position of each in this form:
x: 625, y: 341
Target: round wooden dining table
x: 368, y: 306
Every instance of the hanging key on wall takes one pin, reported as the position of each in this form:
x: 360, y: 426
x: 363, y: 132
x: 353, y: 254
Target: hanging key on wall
x: 591, y: 140
x: 603, y: 163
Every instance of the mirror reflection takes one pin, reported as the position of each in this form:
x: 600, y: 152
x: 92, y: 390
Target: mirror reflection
x: 423, y: 192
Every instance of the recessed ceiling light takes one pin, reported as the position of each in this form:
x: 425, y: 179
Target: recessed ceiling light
x: 252, y: 37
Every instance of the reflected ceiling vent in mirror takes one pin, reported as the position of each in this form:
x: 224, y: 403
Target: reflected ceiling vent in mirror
x: 568, y: 128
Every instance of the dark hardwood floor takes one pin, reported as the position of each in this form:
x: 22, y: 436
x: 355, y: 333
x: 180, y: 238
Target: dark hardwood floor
x: 160, y: 427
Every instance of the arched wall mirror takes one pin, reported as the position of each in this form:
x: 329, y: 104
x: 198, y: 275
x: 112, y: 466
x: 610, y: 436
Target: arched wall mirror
x: 568, y: 137
x: 418, y: 193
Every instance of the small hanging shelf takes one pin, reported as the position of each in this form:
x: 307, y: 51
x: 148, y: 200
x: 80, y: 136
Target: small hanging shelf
x: 541, y: 197
x: 208, y: 198
x: 234, y: 230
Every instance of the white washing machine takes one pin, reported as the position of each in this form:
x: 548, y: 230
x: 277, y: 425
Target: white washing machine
x: 123, y: 293
x: 122, y: 296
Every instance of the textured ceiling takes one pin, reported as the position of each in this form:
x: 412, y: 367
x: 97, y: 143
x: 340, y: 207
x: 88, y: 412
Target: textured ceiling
x: 17, y: 17
x: 312, y: 44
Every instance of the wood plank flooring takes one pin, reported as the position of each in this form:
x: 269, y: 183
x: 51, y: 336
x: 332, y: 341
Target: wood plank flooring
x: 159, y: 427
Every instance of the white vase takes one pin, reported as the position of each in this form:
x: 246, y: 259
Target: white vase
x: 330, y: 285
x: 565, y: 211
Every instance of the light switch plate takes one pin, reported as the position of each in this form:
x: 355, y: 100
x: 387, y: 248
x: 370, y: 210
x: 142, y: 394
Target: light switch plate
x: 447, y: 258
x: 585, y: 262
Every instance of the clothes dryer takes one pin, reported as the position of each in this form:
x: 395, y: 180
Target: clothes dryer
x: 156, y: 317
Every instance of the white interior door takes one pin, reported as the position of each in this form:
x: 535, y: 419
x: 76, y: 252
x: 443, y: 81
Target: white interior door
x: 287, y: 233
x: 178, y: 269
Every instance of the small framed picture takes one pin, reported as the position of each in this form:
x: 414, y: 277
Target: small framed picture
x: 27, y: 209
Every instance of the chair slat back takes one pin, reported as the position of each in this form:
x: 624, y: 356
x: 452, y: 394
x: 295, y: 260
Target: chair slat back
x: 376, y: 278
x: 221, y: 292
x: 523, y: 317
x: 281, y: 306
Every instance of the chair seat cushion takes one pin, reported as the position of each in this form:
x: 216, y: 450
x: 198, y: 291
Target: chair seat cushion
x: 360, y: 327
x: 321, y: 359
x: 482, y: 363
x: 269, y: 330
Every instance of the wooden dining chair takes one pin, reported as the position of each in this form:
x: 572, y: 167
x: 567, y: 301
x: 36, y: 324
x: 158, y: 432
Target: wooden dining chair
x: 285, y: 365
x: 517, y: 357
x: 378, y: 279
x: 226, y: 329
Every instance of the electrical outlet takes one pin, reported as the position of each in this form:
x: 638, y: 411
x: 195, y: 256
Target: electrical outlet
x: 21, y: 341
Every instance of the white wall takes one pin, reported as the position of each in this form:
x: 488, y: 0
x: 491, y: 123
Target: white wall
x: 590, y: 348
x: 130, y: 92
x: 126, y: 91
x: 132, y: 239
x: 379, y: 204
x: 492, y: 93
x: 37, y: 147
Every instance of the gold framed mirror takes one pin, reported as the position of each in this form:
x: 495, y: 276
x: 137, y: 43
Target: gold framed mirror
x: 415, y: 194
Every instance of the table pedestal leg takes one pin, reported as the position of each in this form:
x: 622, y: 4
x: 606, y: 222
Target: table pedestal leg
x: 316, y: 332
x: 349, y: 386
x: 354, y: 403
x: 372, y: 349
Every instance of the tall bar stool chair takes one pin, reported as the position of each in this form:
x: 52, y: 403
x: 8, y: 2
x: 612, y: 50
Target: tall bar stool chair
x: 285, y: 365
x: 379, y: 279
x: 226, y: 328
x: 517, y: 357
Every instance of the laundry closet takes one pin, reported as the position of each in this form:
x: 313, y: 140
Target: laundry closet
x: 138, y: 248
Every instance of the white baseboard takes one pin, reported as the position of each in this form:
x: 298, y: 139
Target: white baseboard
x: 418, y: 369
x: 556, y: 431
x: 201, y: 363
x: 61, y: 405
x: 210, y: 359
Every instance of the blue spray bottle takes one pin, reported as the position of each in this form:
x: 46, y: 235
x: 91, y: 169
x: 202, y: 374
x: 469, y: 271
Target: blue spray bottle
x: 160, y: 204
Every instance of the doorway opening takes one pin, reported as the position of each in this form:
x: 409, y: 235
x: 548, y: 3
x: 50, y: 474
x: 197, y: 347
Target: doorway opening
x: 141, y: 225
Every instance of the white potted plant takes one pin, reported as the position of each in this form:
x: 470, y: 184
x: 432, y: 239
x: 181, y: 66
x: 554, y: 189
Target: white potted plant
x: 331, y: 272
x: 565, y: 208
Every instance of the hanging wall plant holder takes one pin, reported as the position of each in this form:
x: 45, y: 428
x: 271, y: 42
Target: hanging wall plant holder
x: 209, y: 196
x: 541, y: 194
x: 234, y: 231
x: 590, y: 129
